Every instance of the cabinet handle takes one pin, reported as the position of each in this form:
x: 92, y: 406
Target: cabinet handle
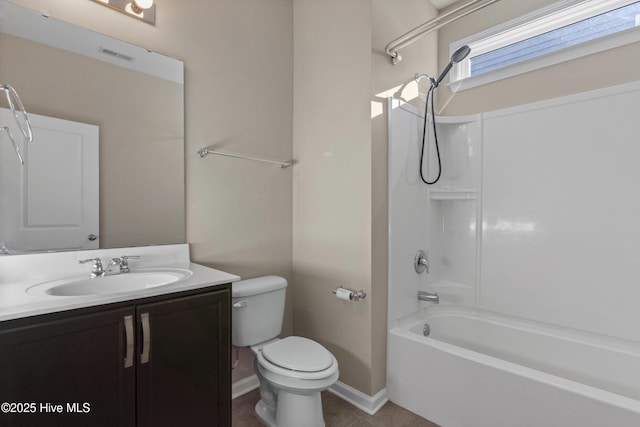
x: 128, y: 331
x: 146, y: 338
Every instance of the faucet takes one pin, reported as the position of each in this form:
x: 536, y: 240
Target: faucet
x: 428, y: 296
x: 96, y: 269
x: 122, y: 263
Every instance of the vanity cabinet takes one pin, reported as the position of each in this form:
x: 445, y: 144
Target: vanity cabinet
x: 161, y: 361
x: 68, y: 361
x: 187, y: 379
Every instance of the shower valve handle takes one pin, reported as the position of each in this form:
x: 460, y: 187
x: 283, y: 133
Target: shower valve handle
x: 421, y: 262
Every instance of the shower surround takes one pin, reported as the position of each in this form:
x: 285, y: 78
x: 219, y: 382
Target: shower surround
x: 534, y: 219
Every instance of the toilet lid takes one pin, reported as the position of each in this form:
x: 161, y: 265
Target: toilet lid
x: 298, y: 354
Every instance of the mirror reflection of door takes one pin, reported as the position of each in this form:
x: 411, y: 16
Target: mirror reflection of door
x: 55, y: 205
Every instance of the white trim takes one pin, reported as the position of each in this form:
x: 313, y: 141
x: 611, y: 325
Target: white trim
x: 566, y: 12
x: 599, y: 45
x: 369, y: 404
x: 540, y: 21
x: 244, y: 386
x: 362, y: 401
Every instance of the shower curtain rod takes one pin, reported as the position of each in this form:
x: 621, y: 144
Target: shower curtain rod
x: 202, y: 153
x: 434, y: 24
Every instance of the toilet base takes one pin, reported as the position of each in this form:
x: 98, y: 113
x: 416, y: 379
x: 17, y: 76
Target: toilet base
x: 266, y: 415
x: 293, y: 410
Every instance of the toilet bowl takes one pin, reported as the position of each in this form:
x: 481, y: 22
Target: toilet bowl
x: 292, y: 371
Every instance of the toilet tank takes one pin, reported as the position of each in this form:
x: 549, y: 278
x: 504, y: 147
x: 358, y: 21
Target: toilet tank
x: 257, y: 309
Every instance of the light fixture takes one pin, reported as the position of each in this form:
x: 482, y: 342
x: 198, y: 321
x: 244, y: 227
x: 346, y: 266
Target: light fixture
x: 140, y: 5
x: 144, y: 10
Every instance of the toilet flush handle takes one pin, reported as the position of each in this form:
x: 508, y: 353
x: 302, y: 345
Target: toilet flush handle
x: 240, y: 304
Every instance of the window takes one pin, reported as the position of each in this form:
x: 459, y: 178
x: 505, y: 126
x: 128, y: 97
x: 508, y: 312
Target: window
x: 563, y: 31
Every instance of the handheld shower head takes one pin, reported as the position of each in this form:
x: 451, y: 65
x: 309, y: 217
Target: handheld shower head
x: 457, y: 56
x: 460, y: 54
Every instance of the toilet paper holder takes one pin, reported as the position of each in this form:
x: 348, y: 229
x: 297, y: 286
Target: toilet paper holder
x: 349, y: 294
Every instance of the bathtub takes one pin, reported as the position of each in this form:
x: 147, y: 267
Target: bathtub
x: 479, y: 369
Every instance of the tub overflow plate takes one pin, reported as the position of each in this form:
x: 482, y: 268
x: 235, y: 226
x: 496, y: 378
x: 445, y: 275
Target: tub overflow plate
x: 426, y: 330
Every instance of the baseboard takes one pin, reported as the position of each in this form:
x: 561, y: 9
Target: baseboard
x: 244, y: 386
x: 362, y: 401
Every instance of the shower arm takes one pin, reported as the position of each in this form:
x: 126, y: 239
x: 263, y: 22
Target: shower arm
x: 434, y: 24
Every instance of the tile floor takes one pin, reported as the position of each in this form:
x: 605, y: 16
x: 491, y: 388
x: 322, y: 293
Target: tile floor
x: 337, y: 413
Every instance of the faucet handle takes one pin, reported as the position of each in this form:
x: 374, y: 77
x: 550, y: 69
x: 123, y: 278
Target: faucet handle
x: 96, y: 268
x: 124, y: 262
x: 96, y: 261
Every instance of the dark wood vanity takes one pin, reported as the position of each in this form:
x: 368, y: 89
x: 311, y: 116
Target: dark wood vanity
x: 156, y: 361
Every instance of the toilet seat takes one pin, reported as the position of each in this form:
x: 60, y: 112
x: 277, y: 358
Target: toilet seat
x: 298, y: 354
x: 280, y: 358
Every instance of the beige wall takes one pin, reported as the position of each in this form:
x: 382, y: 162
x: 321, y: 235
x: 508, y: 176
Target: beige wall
x: 332, y: 187
x: 341, y: 79
x: 599, y: 70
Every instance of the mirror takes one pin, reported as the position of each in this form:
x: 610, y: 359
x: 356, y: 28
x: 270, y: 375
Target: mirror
x: 135, y: 100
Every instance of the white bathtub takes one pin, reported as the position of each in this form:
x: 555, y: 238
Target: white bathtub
x: 478, y: 369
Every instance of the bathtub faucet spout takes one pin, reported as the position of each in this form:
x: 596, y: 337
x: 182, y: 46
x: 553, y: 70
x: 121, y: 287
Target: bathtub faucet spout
x: 428, y: 296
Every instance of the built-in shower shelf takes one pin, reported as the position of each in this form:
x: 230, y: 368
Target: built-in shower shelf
x: 462, y: 194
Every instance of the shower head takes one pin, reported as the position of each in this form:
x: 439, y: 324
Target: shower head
x: 457, y: 56
x: 460, y: 54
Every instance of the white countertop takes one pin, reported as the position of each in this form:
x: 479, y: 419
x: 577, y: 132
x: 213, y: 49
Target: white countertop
x: 20, y: 272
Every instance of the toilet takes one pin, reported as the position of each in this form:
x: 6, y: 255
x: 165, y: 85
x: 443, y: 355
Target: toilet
x: 292, y: 371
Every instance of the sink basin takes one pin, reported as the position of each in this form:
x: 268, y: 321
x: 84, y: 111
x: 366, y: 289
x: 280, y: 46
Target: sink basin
x: 113, y: 284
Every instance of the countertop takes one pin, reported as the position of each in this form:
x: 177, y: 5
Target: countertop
x: 16, y: 303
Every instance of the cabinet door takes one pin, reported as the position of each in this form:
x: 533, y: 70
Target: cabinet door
x: 184, y: 373
x: 69, y: 372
